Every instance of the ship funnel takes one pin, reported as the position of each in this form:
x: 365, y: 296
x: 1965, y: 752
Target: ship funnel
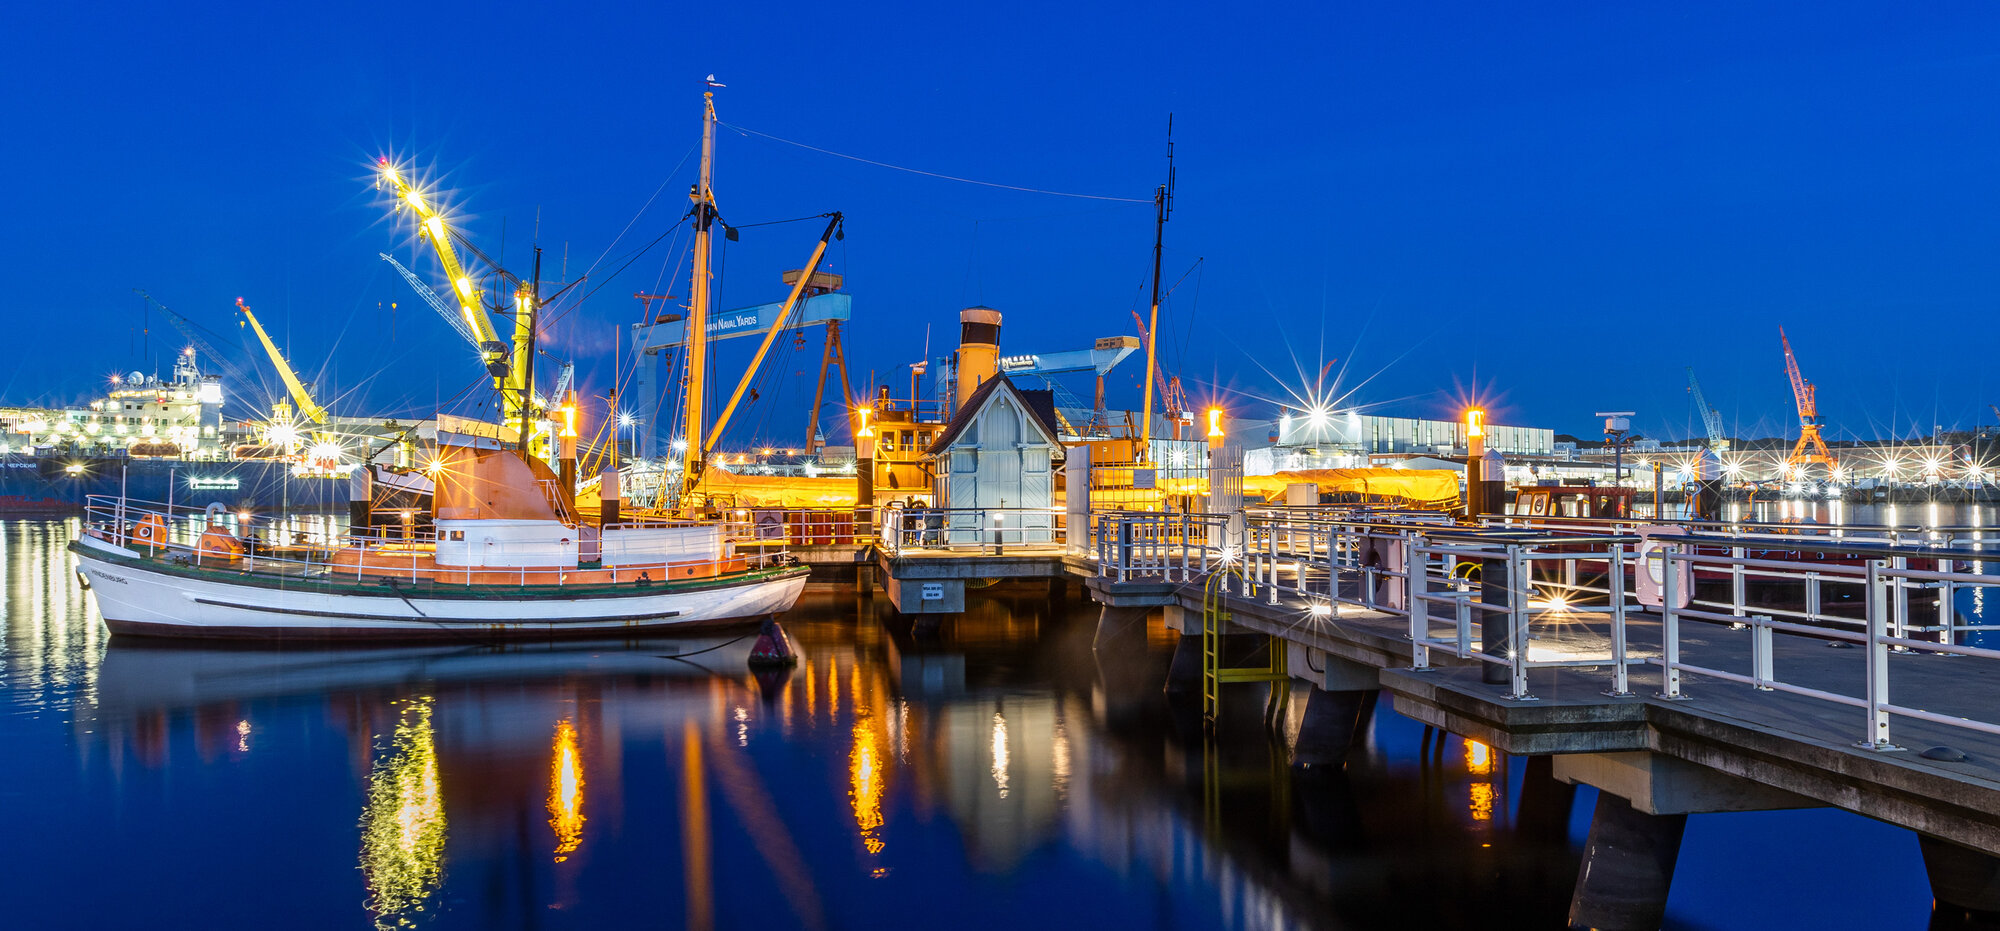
x: 978, y: 350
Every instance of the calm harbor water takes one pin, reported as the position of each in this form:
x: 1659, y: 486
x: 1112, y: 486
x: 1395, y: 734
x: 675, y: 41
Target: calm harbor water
x: 997, y: 775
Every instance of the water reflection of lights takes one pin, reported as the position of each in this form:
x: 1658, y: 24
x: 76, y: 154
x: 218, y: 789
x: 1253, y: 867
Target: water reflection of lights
x: 1479, y: 762
x: 1478, y: 758
x: 1059, y: 759
x: 742, y: 717
x: 243, y: 736
x: 1000, y: 756
x: 566, y: 792
x: 48, y: 650
x: 1482, y: 801
x: 402, y: 825
x: 864, y: 785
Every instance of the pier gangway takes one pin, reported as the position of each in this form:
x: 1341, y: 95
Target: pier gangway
x: 1677, y: 668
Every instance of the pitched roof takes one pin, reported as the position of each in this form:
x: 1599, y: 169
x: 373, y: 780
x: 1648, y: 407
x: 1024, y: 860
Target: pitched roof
x: 1039, y: 403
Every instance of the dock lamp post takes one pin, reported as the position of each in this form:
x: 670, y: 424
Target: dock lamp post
x: 1475, y: 454
x: 629, y: 423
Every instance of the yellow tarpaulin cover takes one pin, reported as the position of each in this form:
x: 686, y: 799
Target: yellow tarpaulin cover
x: 780, y: 491
x: 1429, y: 488
x: 758, y: 491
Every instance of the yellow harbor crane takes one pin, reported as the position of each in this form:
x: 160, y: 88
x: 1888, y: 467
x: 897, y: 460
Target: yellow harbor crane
x: 509, y: 366
x: 308, y: 407
x: 324, y: 450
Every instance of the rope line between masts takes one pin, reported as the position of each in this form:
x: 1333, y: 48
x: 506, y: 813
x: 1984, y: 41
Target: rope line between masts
x: 933, y: 174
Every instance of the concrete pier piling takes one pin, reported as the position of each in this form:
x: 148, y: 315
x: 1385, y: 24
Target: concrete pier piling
x: 1628, y: 868
x: 1964, y: 882
x: 1184, y: 673
x: 1328, y: 727
x: 1116, y: 626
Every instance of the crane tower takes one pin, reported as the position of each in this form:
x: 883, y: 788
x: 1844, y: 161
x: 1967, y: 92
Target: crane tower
x: 1810, y: 449
x: 1711, y: 419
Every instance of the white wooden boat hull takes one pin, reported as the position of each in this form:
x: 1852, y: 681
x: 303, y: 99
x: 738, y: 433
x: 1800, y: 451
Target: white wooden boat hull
x: 137, y: 597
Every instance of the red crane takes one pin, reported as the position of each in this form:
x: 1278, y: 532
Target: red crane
x: 1810, y: 449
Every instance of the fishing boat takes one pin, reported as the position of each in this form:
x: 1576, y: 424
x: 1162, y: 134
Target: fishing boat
x: 507, y: 552
x: 504, y: 560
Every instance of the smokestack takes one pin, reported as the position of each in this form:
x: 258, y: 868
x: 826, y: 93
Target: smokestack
x: 978, y: 350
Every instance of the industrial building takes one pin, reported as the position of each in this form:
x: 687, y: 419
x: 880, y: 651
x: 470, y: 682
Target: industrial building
x: 1330, y: 439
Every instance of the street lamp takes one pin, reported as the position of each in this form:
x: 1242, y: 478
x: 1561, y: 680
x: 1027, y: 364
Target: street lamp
x: 626, y: 422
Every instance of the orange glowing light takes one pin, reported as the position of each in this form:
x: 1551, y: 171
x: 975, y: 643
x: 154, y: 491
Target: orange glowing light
x: 1478, y: 758
x: 1215, y: 422
x: 1482, y: 801
x: 566, y: 792
x: 864, y: 783
x: 1475, y: 422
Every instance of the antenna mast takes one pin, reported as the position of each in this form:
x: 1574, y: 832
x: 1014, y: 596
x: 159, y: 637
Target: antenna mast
x: 1163, y: 206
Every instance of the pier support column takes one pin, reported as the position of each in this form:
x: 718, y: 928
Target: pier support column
x: 1545, y: 803
x: 1328, y: 726
x: 1628, y: 867
x: 1116, y: 625
x: 1963, y: 880
x: 1184, y: 673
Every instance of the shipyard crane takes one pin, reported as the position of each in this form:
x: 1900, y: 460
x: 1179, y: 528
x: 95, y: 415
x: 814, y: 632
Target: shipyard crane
x: 188, y: 328
x: 1810, y: 448
x: 509, y: 368
x: 437, y: 303
x: 307, y: 406
x: 563, y: 381
x: 1711, y: 419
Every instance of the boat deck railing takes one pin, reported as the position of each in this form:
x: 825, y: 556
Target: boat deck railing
x: 1599, y: 597
x: 173, y: 533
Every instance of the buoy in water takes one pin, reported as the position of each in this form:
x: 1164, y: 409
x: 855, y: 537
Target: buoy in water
x: 773, y: 647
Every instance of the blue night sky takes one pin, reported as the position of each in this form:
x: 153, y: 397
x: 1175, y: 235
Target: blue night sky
x: 1554, y: 207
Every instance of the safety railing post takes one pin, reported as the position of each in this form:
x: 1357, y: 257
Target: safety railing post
x: 1332, y: 565
x: 1517, y: 621
x: 1419, y: 607
x: 1670, y: 624
x: 1736, y: 582
x: 1272, y: 541
x: 1900, y: 606
x: 1947, y: 616
x: 1761, y: 664
x: 1614, y: 577
x: 1877, y: 734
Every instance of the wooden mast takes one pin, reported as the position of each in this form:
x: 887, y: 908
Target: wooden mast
x: 703, y: 196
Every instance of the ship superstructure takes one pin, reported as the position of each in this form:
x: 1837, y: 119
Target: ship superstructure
x: 142, y: 415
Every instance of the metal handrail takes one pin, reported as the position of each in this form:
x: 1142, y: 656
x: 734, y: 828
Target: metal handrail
x: 985, y: 530
x: 1301, y: 560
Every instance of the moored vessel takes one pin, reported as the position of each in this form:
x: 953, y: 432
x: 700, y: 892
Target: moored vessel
x: 504, y: 560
